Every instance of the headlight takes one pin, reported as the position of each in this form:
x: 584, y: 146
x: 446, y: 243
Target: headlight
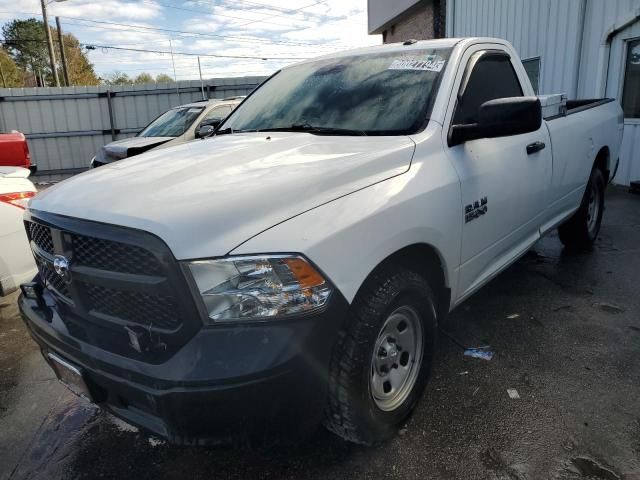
x: 258, y: 287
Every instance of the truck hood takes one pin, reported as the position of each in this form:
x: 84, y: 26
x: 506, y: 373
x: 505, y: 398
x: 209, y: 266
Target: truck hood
x: 205, y: 198
x: 128, y: 148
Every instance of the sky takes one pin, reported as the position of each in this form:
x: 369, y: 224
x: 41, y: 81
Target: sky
x: 275, y: 31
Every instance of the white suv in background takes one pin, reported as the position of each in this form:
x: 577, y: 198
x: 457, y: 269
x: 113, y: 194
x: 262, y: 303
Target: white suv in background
x: 178, y: 125
x: 16, y: 260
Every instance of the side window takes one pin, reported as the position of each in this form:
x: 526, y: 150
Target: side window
x: 492, y: 77
x: 532, y: 67
x: 218, y: 113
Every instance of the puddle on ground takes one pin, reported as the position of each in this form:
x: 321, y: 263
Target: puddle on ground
x: 609, y: 308
x: 590, y: 468
x: 56, y: 438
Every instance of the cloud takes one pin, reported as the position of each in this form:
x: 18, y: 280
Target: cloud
x: 96, y: 10
x: 113, y: 10
x: 263, y: 28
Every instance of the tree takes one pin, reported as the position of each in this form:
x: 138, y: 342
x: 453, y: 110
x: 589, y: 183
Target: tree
x: 144, y: 77
x: 164, y: 78
x: 25, y: 41
x: 118, y: 78
x: 11, y: 76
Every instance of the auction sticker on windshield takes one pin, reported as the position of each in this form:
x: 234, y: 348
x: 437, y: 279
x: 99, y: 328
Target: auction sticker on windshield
x: 432, y: 63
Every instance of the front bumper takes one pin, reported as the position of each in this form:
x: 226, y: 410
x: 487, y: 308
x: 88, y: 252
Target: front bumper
x: 255, y: 383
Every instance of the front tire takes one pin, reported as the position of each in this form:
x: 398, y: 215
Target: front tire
x: 382, y: 360
x: 582, y: 229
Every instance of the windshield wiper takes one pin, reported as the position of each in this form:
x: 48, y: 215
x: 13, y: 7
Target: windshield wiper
x: 305, y: 127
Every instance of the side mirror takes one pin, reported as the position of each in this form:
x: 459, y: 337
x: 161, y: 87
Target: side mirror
x: 206, y: 129
x: 499, y: 118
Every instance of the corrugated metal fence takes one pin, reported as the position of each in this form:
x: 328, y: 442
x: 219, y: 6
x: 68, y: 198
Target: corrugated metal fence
x: 66, y: 126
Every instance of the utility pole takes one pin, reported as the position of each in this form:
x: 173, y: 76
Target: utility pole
x: 63, y: 56
x: 4, y: 82
x: 175, y: 77
x: 52, y: 55
x: 201, y: 82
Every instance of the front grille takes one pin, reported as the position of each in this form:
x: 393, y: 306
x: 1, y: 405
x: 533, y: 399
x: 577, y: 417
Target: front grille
x: 149, y: 310
x: 133, y: 281
x: 41, y: 236
x: 113, y: 256
x: 51, y: 279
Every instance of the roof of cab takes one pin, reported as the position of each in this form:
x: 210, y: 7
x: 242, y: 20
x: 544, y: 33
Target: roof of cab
x: 405, y: 46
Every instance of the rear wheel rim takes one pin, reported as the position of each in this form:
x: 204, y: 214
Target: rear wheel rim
x: 593, y: 210
x: 397, y: 358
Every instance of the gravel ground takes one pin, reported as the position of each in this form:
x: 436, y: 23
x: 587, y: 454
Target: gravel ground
x: 565, y: 331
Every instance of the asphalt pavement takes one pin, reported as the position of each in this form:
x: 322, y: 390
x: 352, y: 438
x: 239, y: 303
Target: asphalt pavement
x: 560, y: 399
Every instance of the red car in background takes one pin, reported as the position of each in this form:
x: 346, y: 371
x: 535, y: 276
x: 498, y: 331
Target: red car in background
x: 14, y: 151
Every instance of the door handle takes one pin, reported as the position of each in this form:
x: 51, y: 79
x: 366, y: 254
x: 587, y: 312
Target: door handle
x: 535, y: 147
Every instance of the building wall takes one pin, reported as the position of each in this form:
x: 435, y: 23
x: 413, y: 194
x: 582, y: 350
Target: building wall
x: 381, y: 12
x: 601, y: 16
x: 549, y: 29
x: 418, y: 24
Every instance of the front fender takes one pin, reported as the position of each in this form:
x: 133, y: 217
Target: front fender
x: 348, y: 237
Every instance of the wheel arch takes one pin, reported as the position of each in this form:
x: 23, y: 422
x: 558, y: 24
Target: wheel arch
x: 425, y: 260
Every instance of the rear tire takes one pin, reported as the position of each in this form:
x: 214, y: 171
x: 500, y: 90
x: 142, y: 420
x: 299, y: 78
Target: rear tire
x: 382, y: 360
x: 582, y: 229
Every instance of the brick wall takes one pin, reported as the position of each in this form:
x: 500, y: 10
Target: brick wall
x: 418, y: 23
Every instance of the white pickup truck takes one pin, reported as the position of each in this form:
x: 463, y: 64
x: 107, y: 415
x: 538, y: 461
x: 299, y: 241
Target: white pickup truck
x: 292, y: 270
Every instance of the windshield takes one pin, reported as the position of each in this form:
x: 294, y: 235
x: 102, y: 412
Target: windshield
x: 383, y: 94
x: 172, y: 123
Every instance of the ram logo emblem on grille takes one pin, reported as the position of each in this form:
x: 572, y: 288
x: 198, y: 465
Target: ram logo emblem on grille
x: 61, y: 266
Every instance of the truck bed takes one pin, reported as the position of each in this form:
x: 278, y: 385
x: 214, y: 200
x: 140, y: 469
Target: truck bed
x: 575, y: 106
x: 578, y: 105
x: 575, y: 143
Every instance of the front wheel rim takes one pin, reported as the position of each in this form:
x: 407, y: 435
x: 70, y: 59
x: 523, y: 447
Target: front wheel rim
x: 397, y: 358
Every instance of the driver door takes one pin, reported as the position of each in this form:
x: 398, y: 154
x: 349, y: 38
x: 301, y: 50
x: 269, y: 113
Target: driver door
x: 503, y: 187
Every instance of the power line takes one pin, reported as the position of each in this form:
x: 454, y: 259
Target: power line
x: 199, y: 34
x: 293, y: 11
x: 217, y: 14
x: 55, y: 40
x: 284, y: 13
x: 273, y: 7
x: 188, y: 33
x: 186, y: 36
x: 262, y: 20
x: 92, y: 46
